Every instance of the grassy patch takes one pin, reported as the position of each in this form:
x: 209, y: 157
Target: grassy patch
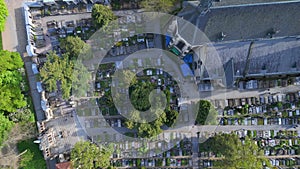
x: 33, y: 158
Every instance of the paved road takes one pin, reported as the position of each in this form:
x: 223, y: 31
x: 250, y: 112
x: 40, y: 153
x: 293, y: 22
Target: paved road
x: 14, y: 36
x: 9, y: 36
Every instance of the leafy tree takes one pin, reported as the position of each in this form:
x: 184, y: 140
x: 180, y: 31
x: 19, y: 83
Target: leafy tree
x: 74, y: 46
x: 56, y: 70
x: 102, y: 15
x: 88, y: 155
x: 206, y: 113
x: 79, y: 80
x: 12, y: 100
x: 234, y: 152
x: 147, y: 129
x: 130, y: 124
x: 212, y: 117
x: 133, y: 115
x: 143, y: 98
x: 11, y: 97
x: 51, y: 71
x: 168, y: 96
x: 10, y: 61
x: 139, y: 95
x: 125, y: 78
x: 63, y: 70
x: 158, y: 5
x: 5, y: 127
x: 23, y: 115
x: 3, y: 15
x: 171, y: 117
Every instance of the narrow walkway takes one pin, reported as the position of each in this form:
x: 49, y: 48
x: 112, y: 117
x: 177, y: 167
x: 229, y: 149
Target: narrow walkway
x: 195, y: 150
x: 35, y: 95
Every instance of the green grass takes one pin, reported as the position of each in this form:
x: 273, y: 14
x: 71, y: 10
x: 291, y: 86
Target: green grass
x: 37, y: 162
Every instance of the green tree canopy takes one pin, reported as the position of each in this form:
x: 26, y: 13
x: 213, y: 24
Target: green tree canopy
x: 158, y: 5
x: 64, y: 70
x: 149, y: 129
x: 80, y: 80
x: 57, y: 69
x: 206, y: 113
x: 171, y: 116
x: 102, y: 15
x: 74, y: 46
x: 3, y: 15
x: 234, y: 152
x: 139, y: 95
x: 23, y: 115
x: 133, y: 115
x: 10, y: 61
x: 144, y: 97
x: 11, y: 97
x: 87, y: 155
x: 5, y: 127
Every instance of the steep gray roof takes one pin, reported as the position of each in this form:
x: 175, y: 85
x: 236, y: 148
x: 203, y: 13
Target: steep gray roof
x: 245, y: 22
x: 278, y: 56
x: 243, y: 2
